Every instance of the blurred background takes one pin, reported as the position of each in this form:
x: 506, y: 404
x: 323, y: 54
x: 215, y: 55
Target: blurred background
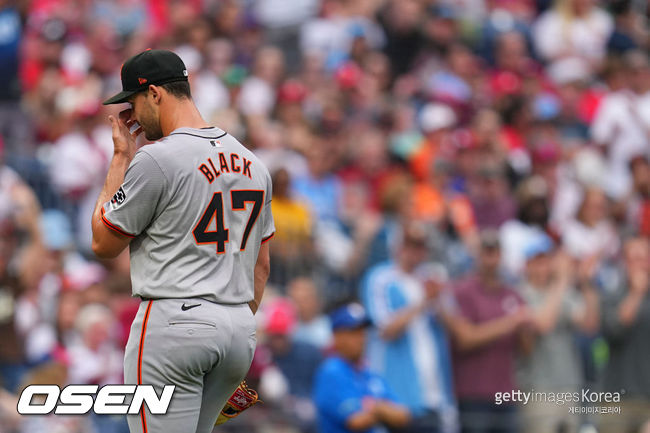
x: 474, y: 172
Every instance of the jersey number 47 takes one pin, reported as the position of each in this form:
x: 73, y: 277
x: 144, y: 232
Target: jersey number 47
x: 215, y: 209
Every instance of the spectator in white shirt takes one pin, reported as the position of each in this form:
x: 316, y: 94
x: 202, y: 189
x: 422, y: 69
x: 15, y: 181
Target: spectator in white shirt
x: 591, y: 234
x: 573, y: 28
x: 622, y: 122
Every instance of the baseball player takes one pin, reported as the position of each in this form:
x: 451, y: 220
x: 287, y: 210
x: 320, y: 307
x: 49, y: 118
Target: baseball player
x: 194, y: 208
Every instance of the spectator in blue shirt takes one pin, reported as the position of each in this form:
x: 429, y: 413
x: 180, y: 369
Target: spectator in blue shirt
x: 320, y: 188
x: 348, y: 396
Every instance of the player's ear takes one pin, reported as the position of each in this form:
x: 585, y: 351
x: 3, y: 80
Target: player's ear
x: 155, y: 92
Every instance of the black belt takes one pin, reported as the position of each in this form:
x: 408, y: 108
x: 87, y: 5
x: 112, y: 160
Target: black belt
x: 142, y: 298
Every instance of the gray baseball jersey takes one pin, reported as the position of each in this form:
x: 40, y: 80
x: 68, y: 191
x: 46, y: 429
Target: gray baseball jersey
x: 197, y: 204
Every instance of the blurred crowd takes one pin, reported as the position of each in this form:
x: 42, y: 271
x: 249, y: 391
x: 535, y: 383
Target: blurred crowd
x: 476, y: 173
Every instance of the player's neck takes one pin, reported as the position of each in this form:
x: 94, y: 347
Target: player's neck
x: 179, y: 114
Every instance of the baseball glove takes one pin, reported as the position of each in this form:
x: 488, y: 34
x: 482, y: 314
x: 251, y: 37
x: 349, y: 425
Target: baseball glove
x: 239, y: 401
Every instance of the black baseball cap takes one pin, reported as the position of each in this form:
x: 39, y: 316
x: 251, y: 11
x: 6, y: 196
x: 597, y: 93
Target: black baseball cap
x: 155, y: 67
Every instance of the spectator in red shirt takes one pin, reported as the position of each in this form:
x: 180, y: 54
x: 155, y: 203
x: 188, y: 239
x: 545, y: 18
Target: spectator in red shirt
x: 487, y: 327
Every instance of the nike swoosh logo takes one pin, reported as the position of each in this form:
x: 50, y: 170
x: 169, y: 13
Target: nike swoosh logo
x: 188, y: 307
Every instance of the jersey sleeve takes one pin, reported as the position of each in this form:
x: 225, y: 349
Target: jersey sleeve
x: 135, y: 203
x: 268, y: 228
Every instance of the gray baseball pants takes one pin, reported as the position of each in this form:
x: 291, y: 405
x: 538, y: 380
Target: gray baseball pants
x: 205, y: 350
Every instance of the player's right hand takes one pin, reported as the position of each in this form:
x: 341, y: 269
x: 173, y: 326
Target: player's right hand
x: 123, y: 139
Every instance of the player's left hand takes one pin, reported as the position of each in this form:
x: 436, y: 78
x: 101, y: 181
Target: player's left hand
x: 123, y: 138
x: 243, y: 398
